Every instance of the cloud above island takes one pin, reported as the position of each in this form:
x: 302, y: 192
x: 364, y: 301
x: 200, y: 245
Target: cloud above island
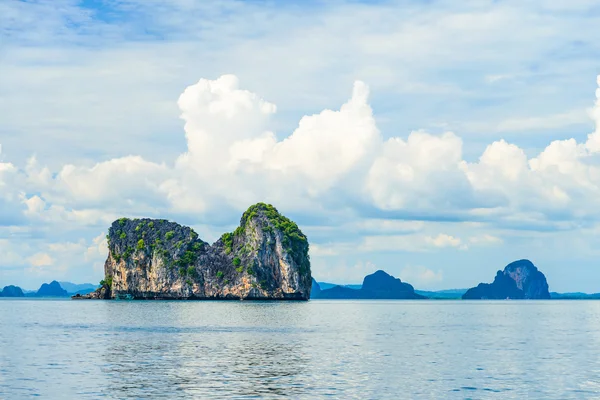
x: 233, y: 159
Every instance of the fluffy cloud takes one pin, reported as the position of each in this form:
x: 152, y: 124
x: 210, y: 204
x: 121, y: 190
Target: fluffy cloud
x: 234, y: 159
x: 422, y: 172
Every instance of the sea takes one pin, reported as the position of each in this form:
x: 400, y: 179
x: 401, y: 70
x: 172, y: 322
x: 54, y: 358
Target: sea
x: 65, y: 349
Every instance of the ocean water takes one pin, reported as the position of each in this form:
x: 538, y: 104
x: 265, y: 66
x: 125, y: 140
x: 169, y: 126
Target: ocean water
x: 63, y: 349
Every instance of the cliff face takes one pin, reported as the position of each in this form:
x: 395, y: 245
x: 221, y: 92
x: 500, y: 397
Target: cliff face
x: 266, y: 257
x: 519, y: 280
x: 379, y: 285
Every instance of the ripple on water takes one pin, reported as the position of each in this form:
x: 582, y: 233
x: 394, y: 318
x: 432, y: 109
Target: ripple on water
x: 299, y: 350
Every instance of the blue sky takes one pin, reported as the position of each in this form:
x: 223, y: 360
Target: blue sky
x: 435, y: 140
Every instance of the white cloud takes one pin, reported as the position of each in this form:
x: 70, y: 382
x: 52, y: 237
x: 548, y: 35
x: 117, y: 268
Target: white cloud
x: 327, y: 146
x: 40, y: 260
x: 421, y: 277
x: 229, y: 146
x: 443, y: 240
x: 424, y: 170
x: 328, y: 152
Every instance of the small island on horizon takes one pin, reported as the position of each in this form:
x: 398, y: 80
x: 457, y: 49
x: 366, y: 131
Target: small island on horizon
x: 265, y: 258
x: 322, y: 290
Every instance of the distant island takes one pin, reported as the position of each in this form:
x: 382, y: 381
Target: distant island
x: 52, y: 289
x: 519, y: 280
x: 379, y: 285
x: 12, y: 291
x: 265, y: 258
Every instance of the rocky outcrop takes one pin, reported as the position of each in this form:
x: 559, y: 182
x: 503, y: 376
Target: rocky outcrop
x: 102, y: 293
x: 379, y: 285
x: 12, y: 291
x: 519, y: 280
x: 266, y: 257
x: 52, y: 289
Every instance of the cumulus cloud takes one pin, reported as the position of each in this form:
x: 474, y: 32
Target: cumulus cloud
x: 233, y: 159
x: 329, y: 145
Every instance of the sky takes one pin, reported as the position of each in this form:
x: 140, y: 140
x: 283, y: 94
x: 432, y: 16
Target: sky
x: 436, y: 140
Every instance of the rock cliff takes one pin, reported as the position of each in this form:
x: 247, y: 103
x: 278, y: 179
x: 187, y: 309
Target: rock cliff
x: 519, y: 280
x: 266, y: 257
x: 379, y: 285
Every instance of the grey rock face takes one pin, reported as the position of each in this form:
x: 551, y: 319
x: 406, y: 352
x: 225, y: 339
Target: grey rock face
x: 266, y: 257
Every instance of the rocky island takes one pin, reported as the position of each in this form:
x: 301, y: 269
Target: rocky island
x: 265, y: 258
x: 12, y: 291
x: 519, y: 280
x: 379, y: 285
x: 52, y: 289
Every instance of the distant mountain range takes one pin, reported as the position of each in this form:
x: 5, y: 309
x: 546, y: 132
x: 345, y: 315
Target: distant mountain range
x: 379, y: 285
x: 448, y: 294
x: 52, y: 289
x: 519, y: 280
x: 83, y: 288
x: 326, y: 286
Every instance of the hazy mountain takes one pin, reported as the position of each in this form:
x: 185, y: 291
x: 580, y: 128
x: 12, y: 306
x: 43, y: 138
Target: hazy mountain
x: 52, y: 289
x: 81, y: 288
x: 379, y: 285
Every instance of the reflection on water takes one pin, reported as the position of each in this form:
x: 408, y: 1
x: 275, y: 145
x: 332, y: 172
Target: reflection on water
x: 360, y: 349
x: 198, y: 361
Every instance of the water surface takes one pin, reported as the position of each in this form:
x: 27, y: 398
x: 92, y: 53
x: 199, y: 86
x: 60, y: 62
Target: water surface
x: 62, y: 349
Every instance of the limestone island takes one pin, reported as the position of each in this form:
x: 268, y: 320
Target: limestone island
x: 265, y: 258
x: 519, y: 280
